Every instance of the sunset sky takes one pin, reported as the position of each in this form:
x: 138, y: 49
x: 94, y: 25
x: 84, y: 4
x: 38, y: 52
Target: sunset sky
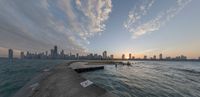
x: 140, y: 27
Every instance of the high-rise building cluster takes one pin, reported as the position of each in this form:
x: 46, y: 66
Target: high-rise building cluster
x: 182, y: 57
x: 55, y: 54
x: 154, y: 57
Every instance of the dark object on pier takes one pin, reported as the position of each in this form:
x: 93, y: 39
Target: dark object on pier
x: 81, y: 70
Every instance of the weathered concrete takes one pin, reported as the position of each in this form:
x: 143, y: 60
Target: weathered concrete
x: 62, y: 81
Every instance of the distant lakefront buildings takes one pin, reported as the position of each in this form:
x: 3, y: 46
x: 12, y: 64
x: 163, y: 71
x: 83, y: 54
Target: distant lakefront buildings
x: 55, y: 54
x: 160, y: 58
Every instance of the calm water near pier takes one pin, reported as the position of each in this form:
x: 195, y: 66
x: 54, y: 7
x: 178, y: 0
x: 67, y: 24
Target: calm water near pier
x: 150, y: 79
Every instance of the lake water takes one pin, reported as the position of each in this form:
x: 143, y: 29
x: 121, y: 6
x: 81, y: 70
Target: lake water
x: 150, y: 79
x: 142, y: 79
x: 15, y: 75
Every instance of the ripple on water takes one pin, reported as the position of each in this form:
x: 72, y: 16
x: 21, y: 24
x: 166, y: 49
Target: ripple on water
x: 150, y: 79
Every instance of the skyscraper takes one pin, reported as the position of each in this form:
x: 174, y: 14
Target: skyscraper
x: 46, y: 53
x: 112, y: 56
x: 123, y: 56
x: 160, y: 57
x: 62, y: 54
x: 10, y: 54
x: 77, y: 56
x: 22, y: 55
x: 130, y: 56
x: 168, y: 58
x: 55, y: 51
x: 154, y: 57
x: 183, y: 57
x: 133, y: 57
x: 145, y: 57
x: 105, y: 55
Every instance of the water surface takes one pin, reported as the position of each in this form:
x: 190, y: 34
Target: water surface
x: 14, y: 75
x: 150, y: 79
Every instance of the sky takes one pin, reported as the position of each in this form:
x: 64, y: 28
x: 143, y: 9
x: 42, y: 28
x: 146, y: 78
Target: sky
x: 140, y: 27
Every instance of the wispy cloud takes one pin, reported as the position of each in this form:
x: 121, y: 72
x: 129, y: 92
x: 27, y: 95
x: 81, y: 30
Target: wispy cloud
x: 135, y: 26
x: 40, y: 24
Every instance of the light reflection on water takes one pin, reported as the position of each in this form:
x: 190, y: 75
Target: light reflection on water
x: 150, y: 79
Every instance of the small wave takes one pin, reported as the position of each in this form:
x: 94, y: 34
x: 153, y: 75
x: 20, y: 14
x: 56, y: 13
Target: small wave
x: 187, y: 70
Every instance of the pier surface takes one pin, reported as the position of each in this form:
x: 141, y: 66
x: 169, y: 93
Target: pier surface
x: 62, y: 81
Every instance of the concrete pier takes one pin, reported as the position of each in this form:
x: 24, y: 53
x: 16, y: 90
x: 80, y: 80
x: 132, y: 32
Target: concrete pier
x: 62, y: 81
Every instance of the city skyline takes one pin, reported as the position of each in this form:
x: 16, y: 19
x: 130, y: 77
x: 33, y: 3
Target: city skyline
x: 104, y: 54
x: 140, y: 27
x: 57, y: 53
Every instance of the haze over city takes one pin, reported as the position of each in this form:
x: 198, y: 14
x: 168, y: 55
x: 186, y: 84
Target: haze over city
x: 140, y: 27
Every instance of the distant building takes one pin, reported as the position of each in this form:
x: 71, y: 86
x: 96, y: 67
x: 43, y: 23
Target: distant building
x: 22, y: 55
x: 55, y: 49
x: 177, y: 58
x: 62, y: 54
x: 90, y: 56
x: 145, y: 57
x: 123, y: 56
x: 183, y: 57
x: 154, y: 57
x: 133, y: 57
x: 55, y: 52
x: 168, y: 58
x: 130, y: 56
x: 77, y: 56
x: 105, y: 55
x: 96, y: 56
x: 73, y: 57
x: 10, y: 54
x: 160, y: 56
x: 46, y: 53
x: 111, y: 56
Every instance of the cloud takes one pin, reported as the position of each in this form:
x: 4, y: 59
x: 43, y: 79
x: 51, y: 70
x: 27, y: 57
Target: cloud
x: 137, y: 13
x: 40, y: 24
x: 134, y: 22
